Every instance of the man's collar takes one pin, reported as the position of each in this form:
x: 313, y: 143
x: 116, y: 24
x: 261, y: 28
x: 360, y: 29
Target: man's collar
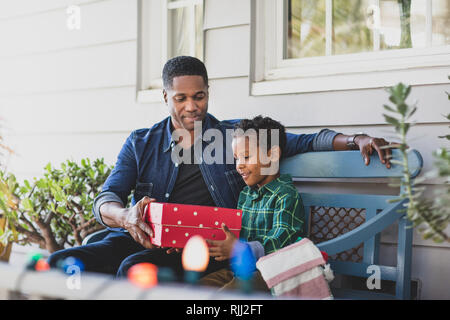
x: 170, y: 143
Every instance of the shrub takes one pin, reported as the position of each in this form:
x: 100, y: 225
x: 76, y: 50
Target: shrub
x: 54, y: 211
x: 432, y: 215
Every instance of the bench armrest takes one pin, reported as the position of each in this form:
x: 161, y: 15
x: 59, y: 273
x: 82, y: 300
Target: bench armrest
x: 365, y: 231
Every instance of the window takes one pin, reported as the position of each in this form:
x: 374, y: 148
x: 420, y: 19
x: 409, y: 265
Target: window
x: 167, y: 28
x: 185, y: 28
x: 307, y: 46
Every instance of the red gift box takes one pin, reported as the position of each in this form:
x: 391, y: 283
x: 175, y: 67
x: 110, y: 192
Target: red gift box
x: 173, y: 224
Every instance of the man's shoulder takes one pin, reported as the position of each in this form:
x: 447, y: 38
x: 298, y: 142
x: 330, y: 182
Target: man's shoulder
x: 225, y: 124
x: 147, y: 133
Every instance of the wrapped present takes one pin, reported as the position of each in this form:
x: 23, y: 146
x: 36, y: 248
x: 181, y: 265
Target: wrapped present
x: 173, y: 224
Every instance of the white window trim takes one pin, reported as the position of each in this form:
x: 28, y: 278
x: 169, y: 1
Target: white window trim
x: 153, y: 31
x: 271, y: 74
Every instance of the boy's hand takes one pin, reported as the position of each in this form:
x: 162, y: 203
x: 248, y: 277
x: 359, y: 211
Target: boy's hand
x: 170, y: 250
x: 221, y: 249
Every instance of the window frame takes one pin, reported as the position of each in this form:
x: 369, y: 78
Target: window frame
x: 153, y: 45
x: 272, y: 74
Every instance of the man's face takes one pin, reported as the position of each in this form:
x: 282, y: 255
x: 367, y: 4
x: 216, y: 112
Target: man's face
x: 187, y: 101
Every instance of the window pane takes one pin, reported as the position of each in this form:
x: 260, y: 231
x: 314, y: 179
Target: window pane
x: 403, y: 24
x: 179, y: 32
x: 399, y: 24
x: 441, y: 22
x: 350, y: 31
x: 389, y: 24
x: 305, y: 29
x: 418, y: 23
x: 199, y: 31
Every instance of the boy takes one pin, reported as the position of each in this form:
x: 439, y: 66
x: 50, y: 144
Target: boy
x: 272, y: 210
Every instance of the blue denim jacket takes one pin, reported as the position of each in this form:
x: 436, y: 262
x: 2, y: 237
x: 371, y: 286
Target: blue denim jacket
x: 145, y: 165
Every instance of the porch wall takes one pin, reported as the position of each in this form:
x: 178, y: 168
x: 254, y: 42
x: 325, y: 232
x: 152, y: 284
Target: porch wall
x: 71, y: 94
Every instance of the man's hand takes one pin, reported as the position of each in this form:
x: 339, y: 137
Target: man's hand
x: 368, y: 144
x: 222, y: 250
x: 134, y: 222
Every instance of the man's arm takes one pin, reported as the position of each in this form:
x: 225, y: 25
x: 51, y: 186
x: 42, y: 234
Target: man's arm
x: 109, y: 206
x: 329, y: 140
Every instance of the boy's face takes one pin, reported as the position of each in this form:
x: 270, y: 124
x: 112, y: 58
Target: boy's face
x: 248, y: 162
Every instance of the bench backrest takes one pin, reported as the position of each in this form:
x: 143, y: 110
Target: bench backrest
x: 342, y: 216
x: 349, y: 165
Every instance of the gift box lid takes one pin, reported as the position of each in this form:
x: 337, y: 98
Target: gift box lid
x: 172, y: 214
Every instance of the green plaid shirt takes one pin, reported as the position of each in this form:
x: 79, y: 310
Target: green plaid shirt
x: 273, y: 214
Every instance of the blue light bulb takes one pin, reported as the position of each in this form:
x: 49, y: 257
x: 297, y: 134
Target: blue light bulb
x: 72, y: 265
x: 243, y: 263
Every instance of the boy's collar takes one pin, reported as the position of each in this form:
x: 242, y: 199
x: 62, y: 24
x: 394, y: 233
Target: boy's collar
x: 273, y: 185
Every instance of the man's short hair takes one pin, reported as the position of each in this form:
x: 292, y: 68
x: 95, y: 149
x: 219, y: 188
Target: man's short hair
x: 183, y: 66
x: 260, y: 122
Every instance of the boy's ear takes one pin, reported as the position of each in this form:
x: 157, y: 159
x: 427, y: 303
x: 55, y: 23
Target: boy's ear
x: 165, y: 95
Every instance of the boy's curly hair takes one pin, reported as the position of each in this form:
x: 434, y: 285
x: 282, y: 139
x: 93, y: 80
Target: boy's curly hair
x: 260, y: 122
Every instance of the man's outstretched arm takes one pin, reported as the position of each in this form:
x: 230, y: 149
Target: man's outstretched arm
x: 366, y: 145
x: 329, y: 140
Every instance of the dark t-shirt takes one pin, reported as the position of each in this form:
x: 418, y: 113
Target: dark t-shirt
x: 190, y: 188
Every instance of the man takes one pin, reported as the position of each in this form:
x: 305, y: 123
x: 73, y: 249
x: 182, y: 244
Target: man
x: 145, y: 164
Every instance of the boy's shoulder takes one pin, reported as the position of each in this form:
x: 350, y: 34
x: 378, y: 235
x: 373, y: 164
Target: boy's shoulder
x: 284, y: 186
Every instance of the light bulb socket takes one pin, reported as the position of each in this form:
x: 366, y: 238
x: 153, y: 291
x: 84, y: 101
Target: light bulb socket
x: 191, y: 277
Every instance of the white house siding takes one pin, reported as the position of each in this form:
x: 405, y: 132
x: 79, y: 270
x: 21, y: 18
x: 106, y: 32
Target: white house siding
x: 68, y: 93
x: 71, y: 94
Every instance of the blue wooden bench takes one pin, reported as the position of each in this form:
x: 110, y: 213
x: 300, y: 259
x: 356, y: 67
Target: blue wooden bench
x: 379, y: 215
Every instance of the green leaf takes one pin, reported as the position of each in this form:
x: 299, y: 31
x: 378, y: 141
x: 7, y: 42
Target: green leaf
x: 27, y: 184
x: 41, y: 184
x: 27, y: 204
x: 402, y: 108
x: 58, y: 196
x: 61, y: 209
x: 389, y: 108
x: 413, y: 110
x: 391, y: 120
x: 406, y: 127
x: 406, y: 91
x: 52, y: 207
x: 66, y: 181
